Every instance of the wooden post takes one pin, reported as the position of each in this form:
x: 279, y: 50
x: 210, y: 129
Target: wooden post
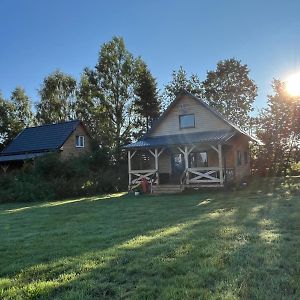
x: 156, y: 163
x: 129, y: 168
x: 186, y: 160
x: 220, y: 164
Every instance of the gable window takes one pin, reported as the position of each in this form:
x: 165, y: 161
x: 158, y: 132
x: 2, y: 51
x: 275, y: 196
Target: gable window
x: 239, y: 158
x: 246, y: 157
x: 187, y: 121
x: 79, y: 141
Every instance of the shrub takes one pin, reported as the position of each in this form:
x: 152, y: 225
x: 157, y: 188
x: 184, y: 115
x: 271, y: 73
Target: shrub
x: 18, y: 187
x: 49, y: 178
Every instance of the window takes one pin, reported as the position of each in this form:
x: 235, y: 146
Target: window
x: 246, y: 157
x: 187, y: 121
x: 79, y: 141
x: 239, y: 158
x: 198, y: 159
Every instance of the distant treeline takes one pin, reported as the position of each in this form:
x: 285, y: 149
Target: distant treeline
x: 118, y: 99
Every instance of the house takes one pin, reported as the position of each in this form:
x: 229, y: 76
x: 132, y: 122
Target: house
x: 69, y: 139
x: 190, y: 145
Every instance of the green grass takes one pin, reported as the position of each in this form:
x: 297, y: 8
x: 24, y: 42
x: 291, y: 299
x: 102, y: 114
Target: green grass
x: 207, y: 245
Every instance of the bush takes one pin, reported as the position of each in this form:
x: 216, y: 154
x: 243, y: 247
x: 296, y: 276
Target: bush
x: 49, y: 178
x: 24, y: 187
x: 295, y: 169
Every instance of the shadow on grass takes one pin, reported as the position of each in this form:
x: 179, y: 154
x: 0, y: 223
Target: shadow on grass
x: 17, y: 207
x: 239, y: 245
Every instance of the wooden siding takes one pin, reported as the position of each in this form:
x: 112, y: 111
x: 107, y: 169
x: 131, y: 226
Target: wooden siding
x: 212, y: 158
x: 204, y: 119
x: 239, y: 143
x: 69, y: 147
x: 164, y: 162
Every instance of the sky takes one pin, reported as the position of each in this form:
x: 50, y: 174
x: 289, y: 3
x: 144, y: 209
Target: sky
x: 38, y: 37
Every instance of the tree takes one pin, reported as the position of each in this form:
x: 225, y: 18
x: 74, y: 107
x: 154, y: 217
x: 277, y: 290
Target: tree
x: 115, y: 79
x: 6, y: 122
x: 147, y: 104
x: 15, y: 115
x: 230, y: 91
x: 179, y: 82
x: 57, y: 98
x: 278, y: 126
x: 85, y: 101
x: 90, y: 108
x: 23, y: 116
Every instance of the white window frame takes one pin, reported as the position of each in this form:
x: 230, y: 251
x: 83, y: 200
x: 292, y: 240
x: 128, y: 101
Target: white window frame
x: 186, y: 127
x: 79, y: 141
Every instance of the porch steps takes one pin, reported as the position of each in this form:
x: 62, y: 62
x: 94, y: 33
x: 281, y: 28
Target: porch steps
x: 202, y: 185
x: 166, y: 189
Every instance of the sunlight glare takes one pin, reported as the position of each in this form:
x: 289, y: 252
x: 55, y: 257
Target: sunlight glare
x: 293, y: 85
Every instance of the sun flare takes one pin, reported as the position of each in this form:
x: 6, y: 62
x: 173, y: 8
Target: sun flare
x: 293, y: 85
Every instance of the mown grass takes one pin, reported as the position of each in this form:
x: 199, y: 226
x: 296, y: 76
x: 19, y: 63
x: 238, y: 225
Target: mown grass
x: 207, y: 245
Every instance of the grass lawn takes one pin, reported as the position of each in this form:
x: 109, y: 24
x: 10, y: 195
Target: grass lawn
x: 207, y: 245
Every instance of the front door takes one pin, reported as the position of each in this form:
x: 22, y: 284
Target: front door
x: 178, y: 167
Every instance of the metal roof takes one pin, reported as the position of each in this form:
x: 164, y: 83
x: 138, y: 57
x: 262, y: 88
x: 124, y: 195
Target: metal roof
x: 41, y: 138
x: 15, y: 157
x: 211, y: 137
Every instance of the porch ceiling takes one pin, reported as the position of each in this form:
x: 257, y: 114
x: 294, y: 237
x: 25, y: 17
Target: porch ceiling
x: 206, y: 137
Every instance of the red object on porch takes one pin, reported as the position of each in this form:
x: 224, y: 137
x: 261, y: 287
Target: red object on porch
x: 144, y: 184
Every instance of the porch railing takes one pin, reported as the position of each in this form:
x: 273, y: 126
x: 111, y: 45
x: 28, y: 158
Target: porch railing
x: 140, y: 174
x: 203, y: 175
x: 208, y: 175
x: 189, y: 176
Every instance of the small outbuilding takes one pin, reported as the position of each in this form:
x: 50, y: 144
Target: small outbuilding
x: 69, y: 139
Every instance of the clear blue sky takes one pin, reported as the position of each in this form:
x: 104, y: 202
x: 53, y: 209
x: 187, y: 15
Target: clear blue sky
x: 38, y: 37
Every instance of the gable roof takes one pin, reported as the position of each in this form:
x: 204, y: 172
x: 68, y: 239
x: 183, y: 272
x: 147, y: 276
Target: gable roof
x: 43, y: 138
x: 201, y: 102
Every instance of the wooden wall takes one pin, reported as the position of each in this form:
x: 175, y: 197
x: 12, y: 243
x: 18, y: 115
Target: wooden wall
x: 204, y: 119
x: 238, y: 143
x: 69, y: 147
x: 164, y: 162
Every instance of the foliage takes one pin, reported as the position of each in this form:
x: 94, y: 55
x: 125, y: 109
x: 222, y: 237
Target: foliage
x: 295, y: 168
x: 49, y: 178
x: 115, y: 78
x: 230, y: 91
x: 278, y: 126
x: 24, y: 187
x: 15, y: 115
x: 91, y: 110
x: 179, y: 82
x: 208, y: 245
x: 57, y: 99
x: 6, y: 122
x: 147, y: 102
x: 23, y: 115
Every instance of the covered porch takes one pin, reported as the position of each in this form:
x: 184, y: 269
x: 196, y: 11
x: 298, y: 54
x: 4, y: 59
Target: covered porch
x: 185, y: 165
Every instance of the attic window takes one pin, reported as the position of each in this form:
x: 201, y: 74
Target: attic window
x: 187, y: 121
x: 79, y: 141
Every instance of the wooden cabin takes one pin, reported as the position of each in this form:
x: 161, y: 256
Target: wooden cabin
x: 68, y: 139
x: 190, y: 145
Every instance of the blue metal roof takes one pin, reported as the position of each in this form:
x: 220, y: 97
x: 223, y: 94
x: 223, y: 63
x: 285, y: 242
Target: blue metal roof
x: 211, y: 137
x: 41, y: 138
